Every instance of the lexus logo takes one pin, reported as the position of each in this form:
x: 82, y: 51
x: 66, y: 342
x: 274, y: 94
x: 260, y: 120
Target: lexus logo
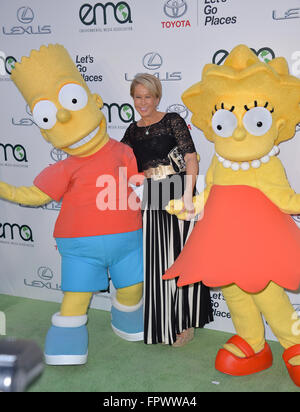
x: 25, y: 15
x: 152, y: 61
x: 45, y: 273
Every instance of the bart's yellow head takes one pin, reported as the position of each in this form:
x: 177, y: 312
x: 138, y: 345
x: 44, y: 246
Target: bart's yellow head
x: 245, y: 106
x: 67, y: 113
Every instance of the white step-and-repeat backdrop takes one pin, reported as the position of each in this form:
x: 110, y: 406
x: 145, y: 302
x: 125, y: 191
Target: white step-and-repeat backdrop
x: 111, y: 41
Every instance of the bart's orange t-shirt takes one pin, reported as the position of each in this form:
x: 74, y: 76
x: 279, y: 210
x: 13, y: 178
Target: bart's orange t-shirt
x: 96, y: 196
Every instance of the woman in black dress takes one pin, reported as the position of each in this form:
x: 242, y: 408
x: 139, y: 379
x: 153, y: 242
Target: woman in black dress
x: 165, y: 152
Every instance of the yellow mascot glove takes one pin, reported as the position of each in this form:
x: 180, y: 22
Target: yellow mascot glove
x: 31, y: 196
x: 176, y: 207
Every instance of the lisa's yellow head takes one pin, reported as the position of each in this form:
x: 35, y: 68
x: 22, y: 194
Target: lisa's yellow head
x: 67, y: 113
x: 245, y: 106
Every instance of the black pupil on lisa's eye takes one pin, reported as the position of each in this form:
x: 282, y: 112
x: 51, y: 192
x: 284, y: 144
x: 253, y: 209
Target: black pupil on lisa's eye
x: 74, y: 101
x: 45, y: 119
x: 259, y: 124
x: 219, y: 127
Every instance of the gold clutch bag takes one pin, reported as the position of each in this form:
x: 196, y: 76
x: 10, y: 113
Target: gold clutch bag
x: 177, y: 160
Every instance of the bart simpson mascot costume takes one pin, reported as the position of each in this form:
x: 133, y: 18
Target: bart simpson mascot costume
x: 89, y: 240
x: 247, y: 243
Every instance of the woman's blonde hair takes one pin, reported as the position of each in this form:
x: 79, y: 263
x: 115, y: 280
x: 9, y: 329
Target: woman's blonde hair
x: 152, y: 83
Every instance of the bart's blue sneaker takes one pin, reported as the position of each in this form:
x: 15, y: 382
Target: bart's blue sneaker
x: 127, y: 321
x: 67, y: 341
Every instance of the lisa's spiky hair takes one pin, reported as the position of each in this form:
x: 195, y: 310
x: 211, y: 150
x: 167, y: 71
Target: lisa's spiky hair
x: 244, y: 76
x: 33, y: 74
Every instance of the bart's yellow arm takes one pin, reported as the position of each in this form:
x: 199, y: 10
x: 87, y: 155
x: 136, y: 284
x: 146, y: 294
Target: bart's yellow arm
x: 31, y: 196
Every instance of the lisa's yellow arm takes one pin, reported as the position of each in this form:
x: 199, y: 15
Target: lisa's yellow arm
x: 31, y: 196
x: 175, y: 206
x: 269, y: 178
x: 274, y: 184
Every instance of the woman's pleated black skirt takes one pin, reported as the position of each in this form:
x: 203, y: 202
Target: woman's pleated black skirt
x: 168, y: 310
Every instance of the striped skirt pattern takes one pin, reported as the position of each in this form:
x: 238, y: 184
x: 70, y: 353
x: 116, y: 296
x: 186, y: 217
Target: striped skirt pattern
x: 168, y: 309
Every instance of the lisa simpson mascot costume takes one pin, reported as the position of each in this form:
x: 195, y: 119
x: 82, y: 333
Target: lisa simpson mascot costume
x: 89, y: 240
x: 247, y: 243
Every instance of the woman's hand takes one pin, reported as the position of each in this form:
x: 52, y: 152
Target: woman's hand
x: 186, y: 211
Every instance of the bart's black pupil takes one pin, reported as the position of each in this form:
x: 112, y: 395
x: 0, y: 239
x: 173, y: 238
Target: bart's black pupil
x: 45, y: 119
x: 219, y: 127
x: 74, y: 101
x: 259, y: 124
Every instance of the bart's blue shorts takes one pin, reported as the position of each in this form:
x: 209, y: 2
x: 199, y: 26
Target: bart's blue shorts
x: 87, y: 260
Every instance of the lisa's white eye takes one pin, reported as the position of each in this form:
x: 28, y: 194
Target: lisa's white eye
x: 73, y: 97
x: 44, y: 114
x: 257, y: 121
x: 224, y: 123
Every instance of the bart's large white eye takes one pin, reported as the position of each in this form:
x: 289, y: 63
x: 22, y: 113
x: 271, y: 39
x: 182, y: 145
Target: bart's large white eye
x: 44, y: 114
x: 257, y: 121
x: 224, y: 123
x: 73, y: 97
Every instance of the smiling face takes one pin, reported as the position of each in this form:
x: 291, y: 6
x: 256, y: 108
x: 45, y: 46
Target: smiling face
x: 67, y: 113
x: 144, y: 102
x: 70, y: 118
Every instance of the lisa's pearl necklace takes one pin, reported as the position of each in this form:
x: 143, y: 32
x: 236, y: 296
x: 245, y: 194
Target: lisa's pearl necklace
x: 246, y: 165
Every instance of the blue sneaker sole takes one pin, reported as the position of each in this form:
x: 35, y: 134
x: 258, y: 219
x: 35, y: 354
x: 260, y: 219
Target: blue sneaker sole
x: 131, y: 337
x: 66, y: 359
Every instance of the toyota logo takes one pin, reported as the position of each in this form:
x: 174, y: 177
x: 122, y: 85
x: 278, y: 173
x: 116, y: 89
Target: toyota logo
x: 152, y: 61
x: 175, y: 8
x: 58, y: 155
x: 178, y: 108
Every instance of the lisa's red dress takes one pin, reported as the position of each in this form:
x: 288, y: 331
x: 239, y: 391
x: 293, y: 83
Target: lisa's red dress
x: 243, y: 238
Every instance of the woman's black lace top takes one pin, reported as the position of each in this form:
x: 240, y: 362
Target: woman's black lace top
x: 152, y: 150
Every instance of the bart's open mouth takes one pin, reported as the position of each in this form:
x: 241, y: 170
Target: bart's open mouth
x: 85, y: 139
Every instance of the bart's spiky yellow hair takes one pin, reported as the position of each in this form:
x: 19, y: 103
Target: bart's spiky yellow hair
x: 244, y: 76
x: 50, y: 63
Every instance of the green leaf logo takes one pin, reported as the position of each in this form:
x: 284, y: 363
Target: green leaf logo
x: 123, y: 11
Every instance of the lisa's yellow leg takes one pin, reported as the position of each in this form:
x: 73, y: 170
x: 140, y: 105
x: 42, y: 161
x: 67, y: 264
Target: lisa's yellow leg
x: 246, y: 318
x: 75, y: 303
x: 278, y: 311
x: 131, y: 295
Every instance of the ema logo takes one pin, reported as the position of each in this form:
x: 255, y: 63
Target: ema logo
x: 17, y: 152
x: 7, y: 63
x: 265, y: 54
x: 125, y: 111
x: 14, y: 231
x: 175, y: 10
x: 120, y: 12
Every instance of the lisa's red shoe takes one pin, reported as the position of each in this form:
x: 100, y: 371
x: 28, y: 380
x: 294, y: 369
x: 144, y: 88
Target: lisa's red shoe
x: 293, y: 370
x: 231, y: 364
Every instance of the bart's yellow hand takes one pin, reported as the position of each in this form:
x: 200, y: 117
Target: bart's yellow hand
x: 31, y: 196
x: 177, y: 207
